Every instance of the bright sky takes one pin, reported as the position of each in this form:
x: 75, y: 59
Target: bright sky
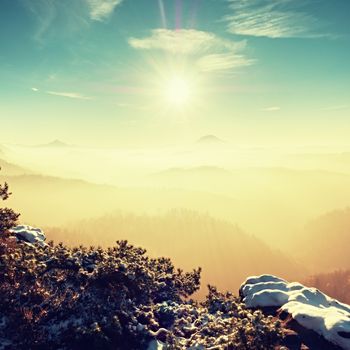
x: 154, y: 72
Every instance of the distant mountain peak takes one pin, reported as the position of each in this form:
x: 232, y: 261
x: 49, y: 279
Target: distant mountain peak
x: 209, y: 139
x: 55, y: 143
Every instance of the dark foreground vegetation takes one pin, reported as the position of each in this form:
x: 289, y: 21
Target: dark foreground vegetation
x: 57, y: 297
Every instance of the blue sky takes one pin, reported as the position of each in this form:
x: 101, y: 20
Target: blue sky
x: 98, y: 71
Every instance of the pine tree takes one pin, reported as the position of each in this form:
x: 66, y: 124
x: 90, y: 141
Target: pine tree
x: 8, y: 217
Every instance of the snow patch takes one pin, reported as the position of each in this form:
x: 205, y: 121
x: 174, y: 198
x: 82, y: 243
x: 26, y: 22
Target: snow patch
x: 29, y: 234
x: 310, y: 307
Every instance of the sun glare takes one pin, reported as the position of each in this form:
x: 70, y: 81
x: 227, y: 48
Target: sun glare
x: 177, y: 91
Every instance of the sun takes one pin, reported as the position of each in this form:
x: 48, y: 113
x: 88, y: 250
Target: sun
x: 177, y: 90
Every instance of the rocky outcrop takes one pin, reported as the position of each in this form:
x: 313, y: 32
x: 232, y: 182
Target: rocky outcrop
x: 29, y: 235
x: 319, y: 321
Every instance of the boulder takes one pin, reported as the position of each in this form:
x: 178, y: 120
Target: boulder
x: 29, y: 235
x: 314, y: 314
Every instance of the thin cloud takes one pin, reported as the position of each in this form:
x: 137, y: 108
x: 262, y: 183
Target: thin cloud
x: 34, y: 89
x: 69, y: 16
x: 184, y: 41
x: 52, y: 77
x: 74, y: 95
x: 102, y: 9
x: 209, y: 51
x: 271, y: 109
x: 335, y: 108
x: 271, y: 18
x: 49, y: 15
x: 217, y: 62
x: 45, y: 12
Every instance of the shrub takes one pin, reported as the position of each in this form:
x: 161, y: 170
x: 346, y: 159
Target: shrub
x: 118, y: 298
x: 57, y: 296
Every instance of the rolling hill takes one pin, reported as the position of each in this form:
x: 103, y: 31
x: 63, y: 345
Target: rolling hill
x: 325, y: 241
x: 10, y: 169
x: 225, y: 252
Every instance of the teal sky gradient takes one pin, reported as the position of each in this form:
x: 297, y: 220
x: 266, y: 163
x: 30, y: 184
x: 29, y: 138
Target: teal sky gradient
x: 91, y: 71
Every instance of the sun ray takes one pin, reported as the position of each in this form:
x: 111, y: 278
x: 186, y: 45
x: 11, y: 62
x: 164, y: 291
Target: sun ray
x: 162, y: 13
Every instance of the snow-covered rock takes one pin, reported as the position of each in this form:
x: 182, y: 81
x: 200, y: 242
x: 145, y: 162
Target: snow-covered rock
x: 311, y: 308
x: 29, y: 234
x: 262, y: 278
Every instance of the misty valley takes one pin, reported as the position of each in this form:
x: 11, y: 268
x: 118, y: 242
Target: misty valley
x: 278, y: 216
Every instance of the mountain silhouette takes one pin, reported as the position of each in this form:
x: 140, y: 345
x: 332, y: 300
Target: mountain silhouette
x: 55, y: 144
